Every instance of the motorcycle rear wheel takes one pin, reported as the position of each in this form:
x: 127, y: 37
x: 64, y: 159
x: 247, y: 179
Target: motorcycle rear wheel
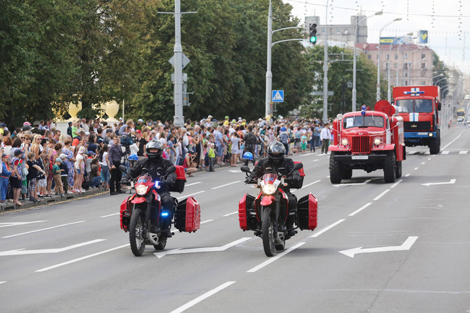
x: 267, y: 232
x: 136, y: 232
x: 161, y: 244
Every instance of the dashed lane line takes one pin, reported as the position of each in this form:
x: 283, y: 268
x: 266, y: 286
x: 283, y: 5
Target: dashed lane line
x: 396, y: 184
x: 231, y: 213
x: 202, y: 297
x: 271, y: 260
x: 381, y: 195
x: 327, y: 228
x: 43, y: 229
x: 207, y: 221
x: 359, y: 210
x: 110, y: 215
x: 226, y: 185
x: 192, y: 184
x: 191, y: 194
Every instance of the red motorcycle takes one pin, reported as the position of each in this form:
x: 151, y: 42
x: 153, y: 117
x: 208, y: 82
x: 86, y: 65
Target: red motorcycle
x: 268, y: 213
x: 136, y: 212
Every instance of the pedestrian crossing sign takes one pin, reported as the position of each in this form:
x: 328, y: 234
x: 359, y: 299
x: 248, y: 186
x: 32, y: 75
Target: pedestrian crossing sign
x: 278, y: 95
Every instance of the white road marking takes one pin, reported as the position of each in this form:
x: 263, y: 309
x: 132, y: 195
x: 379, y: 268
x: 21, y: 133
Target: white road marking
x: 232, y: 171
x: 405, y: 246
x: 451, y: 182
x: 328, y: 176
x: 200, y: 250
x: 191, y: 194
x: 304, y: 155
x: 355, y: 184
x: 359, y: 210
x: 110, y: 215
x: 47, y: 251
x: 192, y: 184
x: 463, y: 152
x: 453, y: 141
x: 226, y: 184
x: 394, y: 185
x: 80, y: 259
x: 317, y: 181
x: 429, y: 159
x: 327, y: 228
x: 207, y: 221
x: 18, y: 223
x: 381, y: 195
x: 271, y: 260
x: 231, y: 213
x: 416, y: 168
x: 203, y: 297
x: 315, y: 160
x: 445, y: 152
x: 2, y: 282
x: 38, y: 230
x: 423, y: 163
x: 407, y: 175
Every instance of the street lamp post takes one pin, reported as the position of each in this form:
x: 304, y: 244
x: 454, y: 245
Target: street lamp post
x: 354, y: 91
x: 269, y: 74
x: 409, y: 69
x: 378, y: 58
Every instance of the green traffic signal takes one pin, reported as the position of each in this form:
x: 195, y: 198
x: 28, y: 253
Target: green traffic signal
x: 313, y: 33
x: 313, y: 39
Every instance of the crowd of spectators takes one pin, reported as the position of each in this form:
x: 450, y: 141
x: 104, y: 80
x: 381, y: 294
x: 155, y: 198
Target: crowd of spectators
x: 42, y: 161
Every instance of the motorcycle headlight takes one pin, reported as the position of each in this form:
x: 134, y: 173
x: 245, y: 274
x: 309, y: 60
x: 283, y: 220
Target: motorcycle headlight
x: 377, y: 141
x: 269, y: 189
x: 141, y: 190
x: 344, y: 142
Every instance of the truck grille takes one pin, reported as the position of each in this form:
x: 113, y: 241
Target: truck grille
x: 360, y: 144
x: 417, y: 126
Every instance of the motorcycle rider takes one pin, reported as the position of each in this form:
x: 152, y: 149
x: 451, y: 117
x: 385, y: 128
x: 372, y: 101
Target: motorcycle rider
x: 152, y: 163
x: 274, y: 162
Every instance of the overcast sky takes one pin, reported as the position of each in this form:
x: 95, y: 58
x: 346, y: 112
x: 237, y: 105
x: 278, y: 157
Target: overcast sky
x: 416, y: 15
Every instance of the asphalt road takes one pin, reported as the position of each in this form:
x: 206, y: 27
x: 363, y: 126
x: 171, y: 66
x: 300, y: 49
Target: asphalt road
x: 412, y: 248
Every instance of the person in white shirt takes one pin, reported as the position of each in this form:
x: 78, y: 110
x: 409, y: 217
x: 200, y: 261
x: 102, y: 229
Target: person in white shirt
x: 325, y: 137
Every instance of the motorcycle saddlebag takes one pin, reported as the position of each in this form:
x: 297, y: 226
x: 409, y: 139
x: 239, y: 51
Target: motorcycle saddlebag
x: 307, y: 208
x: 298, y: 184
x: 246, y: 220
x: 125, y: 214
x: 180, y: 180
x: 188, y: 215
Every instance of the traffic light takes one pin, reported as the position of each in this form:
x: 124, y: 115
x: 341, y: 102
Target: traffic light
x: 313, y: 34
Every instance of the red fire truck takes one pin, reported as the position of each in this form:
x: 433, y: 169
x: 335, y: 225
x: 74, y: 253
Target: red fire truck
x: 368, y: 140
x: 419, y: 106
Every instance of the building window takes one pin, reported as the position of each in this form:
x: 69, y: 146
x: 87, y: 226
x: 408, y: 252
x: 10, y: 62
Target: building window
x: 423, y: 73
x: 423, y: 56
x: 406, y: 83
x: 338, y: 31
x: 396, y: 56
x: 386, y: 65
x: 387, y: 57
x: 423, y: 65
x: 423, y: 83
x: 405, y: 56
x: 405, y: 66
x: 406, y: 74
x: 369, y: 57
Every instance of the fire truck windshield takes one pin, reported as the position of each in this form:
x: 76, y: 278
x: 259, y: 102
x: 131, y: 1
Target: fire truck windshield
x: 363, y: 121
x: 414, y: 106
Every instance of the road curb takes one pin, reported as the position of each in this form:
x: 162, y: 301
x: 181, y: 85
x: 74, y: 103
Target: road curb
x: 10, y: 207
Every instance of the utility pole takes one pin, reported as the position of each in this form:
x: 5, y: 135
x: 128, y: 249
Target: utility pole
x: 178, y: 66
x: 325, y: 70
x: 269, y: 74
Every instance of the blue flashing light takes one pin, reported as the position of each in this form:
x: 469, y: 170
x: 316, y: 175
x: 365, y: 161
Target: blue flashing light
x: 413, y: 92
x: 165, y: 214
x: 363, y: 110
x: 157, y: 184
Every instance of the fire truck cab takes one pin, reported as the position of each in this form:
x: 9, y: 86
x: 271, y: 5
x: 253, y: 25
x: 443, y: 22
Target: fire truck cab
x: 368, y: 140
x: 419, y: 106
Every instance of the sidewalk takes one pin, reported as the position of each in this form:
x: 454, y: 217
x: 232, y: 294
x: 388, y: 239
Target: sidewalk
x: 7, y: 206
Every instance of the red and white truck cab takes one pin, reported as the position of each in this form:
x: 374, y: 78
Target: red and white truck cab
x: 419, y: 107
x: 368, y: 140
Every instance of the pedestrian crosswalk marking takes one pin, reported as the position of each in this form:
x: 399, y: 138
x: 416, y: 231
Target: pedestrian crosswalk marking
x: 463, y: 152
x: 445, y: 152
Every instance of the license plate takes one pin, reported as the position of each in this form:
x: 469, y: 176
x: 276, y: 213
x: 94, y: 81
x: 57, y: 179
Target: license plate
x: 360, y: 157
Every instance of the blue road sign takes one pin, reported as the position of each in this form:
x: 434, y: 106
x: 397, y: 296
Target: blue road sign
x: 423, y: 36
x: 278, y: 95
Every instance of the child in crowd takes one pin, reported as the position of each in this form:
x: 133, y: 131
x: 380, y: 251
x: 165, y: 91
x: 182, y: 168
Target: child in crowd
x: 56, y: 172
x: 65, y: 172
x: 32, y: 176
x: 211, y: 158
x: 4, y: 177
x: 303, y: 143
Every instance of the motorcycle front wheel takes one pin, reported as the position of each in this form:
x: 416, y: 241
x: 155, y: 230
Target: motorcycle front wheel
x: 267, y: 232
x: 136, y: 232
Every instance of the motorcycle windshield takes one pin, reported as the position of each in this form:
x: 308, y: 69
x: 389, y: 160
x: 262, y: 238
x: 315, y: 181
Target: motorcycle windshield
x: 269, y: 178
x: 144, y: 179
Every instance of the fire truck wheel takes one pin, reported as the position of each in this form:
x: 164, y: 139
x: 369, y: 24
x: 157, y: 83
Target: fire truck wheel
x: 346, y: 173
x: 335, y: 170
x: 389, y: 168
x: 434, y: 146
x: 398, y: 169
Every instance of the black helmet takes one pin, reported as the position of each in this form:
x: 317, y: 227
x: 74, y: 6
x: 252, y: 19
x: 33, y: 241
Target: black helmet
x: 276, y: 151
x: 154, y: 144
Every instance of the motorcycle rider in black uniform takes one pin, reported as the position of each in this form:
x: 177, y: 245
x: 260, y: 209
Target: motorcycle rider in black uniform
x: 274, y: 161
x: 156, y: 167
